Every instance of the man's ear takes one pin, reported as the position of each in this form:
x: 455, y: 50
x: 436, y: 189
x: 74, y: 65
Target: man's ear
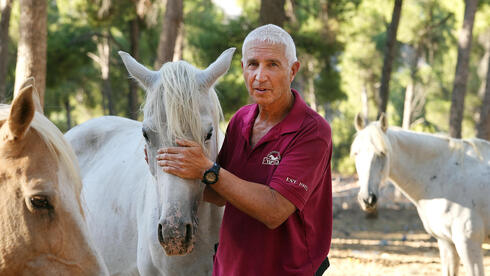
x: 294, y: 70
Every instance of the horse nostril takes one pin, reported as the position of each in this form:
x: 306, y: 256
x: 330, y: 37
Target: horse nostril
x: 372, y: 199
x: 160, y: 235
x: 188, y: 233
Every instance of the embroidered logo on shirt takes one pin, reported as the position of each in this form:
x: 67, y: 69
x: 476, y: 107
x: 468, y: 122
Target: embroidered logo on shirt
x: 272, y: 158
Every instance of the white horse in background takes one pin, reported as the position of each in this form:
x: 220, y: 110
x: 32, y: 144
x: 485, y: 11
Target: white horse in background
x: 42, y: 228
x: 144, y: 220
x: 448, y: 180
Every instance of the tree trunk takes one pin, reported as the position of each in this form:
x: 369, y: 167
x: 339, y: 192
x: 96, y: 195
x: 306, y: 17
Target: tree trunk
x: 179, y: 44
x: 389, y: 57
x: 461, y: 75
x: 309, y: 93
x: 68, y: 113
x: 364, y: 103
x: 133, y: 102
x: 4, y: 45
x: 104, y: 49
x: 103, y: 59
x: 272, y: 12
x: 483, y: 126
x: 31, y: 51
x: 172, y: 22
x: 408, y: 104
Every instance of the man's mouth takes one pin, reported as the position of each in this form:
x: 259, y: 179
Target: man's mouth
x: 261, y: 90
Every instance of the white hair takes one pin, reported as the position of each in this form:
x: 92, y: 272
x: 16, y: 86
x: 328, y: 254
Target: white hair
x: 271, y: 34
x: 178, y: 95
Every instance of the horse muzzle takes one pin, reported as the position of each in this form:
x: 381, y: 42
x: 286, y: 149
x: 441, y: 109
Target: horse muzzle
x: 176, y: 237
x: 368, y: 203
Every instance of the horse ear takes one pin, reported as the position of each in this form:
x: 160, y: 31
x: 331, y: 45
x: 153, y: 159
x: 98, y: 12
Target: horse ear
x: 21, y: 112
x: 383, y: 121
x: 359, y: 122
x: 208, y: 76
x: 30, y: 81
x: 144, y: 76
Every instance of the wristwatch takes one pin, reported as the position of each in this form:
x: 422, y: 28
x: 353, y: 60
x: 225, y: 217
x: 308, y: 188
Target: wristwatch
x: 211, y: 175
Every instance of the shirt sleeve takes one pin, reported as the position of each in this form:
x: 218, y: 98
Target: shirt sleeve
x: 302, y: 168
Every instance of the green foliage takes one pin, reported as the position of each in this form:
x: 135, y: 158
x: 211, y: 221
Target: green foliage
x: 339, y: 43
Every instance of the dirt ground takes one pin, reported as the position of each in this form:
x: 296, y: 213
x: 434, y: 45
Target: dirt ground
x: 393, y: 244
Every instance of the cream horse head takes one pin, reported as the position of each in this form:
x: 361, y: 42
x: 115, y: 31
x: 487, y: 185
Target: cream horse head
x: 42, y: 227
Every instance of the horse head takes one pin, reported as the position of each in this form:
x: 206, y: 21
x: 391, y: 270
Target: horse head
x: 43, y: 229
x: 371, y: 150
x: 180, y: 103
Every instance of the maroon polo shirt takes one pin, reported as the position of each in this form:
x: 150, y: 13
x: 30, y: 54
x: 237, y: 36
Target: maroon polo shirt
x: 293, y: 158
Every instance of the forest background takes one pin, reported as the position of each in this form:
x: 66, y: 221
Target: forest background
x: 423, y: 62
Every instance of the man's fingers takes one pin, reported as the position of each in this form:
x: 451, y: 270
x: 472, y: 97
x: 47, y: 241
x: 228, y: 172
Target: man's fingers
x: 171, y: 150
x: 186, y: 143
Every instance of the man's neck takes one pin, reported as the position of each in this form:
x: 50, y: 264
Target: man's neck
x: 276, y: 113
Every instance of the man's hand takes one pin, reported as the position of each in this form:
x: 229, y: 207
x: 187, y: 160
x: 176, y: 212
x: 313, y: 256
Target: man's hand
x: 187, y: 161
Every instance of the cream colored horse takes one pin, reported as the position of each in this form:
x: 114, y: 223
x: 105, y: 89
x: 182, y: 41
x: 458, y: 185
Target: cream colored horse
x: 448, y: 180
x: 42, y: 229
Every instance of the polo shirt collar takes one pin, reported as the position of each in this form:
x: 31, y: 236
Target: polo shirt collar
x: 290, y: 123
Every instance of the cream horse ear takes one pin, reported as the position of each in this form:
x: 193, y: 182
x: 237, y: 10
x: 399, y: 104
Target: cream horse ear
x: 207, y: 77
x: 21, y: 112
x: 144, y: 76
x: 359, y: 122
x: 383, y: 122
x: 37, y: 102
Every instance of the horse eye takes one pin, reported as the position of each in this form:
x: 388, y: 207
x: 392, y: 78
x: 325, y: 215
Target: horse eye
x: 40, y: 202
x: 144, y: 134
x: 210, y: 133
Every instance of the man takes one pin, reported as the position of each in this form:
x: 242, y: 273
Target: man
x: 275, y: 170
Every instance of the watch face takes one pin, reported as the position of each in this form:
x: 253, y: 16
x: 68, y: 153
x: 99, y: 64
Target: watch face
x: 210, y: 177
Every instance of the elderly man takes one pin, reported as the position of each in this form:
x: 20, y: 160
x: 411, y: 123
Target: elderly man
x: 273, y: 171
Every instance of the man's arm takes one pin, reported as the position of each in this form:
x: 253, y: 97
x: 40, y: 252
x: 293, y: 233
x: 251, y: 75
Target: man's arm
x: 212, y: 196
x: 257, y: 200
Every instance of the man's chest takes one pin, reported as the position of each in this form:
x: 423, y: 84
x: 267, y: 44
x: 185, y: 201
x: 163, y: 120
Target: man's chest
x: 257, y: 163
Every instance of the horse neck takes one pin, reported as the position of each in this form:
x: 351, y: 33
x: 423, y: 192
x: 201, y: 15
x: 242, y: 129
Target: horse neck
x: 409, y: 159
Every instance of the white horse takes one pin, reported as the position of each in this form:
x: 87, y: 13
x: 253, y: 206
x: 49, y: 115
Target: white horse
x: 42, y: 228
x: 136, y: 213
x: 447, y: 179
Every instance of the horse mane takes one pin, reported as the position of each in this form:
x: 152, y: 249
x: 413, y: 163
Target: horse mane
x: 178, y: 93
x: 377, y: 139
x: 56, y: 143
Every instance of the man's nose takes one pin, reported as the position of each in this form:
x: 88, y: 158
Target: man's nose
x: 260, y: 74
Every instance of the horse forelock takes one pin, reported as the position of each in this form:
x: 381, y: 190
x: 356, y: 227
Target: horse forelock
x: 173, y: 103
x: 373, y: 138
x: 56, y: 143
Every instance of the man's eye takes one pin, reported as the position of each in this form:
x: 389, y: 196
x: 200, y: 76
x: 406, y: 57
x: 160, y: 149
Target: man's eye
x: 208, y: 136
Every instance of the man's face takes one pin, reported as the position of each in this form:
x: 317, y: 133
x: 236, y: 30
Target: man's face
x: 267, y: 73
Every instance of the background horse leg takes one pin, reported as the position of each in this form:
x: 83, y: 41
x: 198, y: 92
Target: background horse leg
x: 449, y: 258
x: 471, y: 255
